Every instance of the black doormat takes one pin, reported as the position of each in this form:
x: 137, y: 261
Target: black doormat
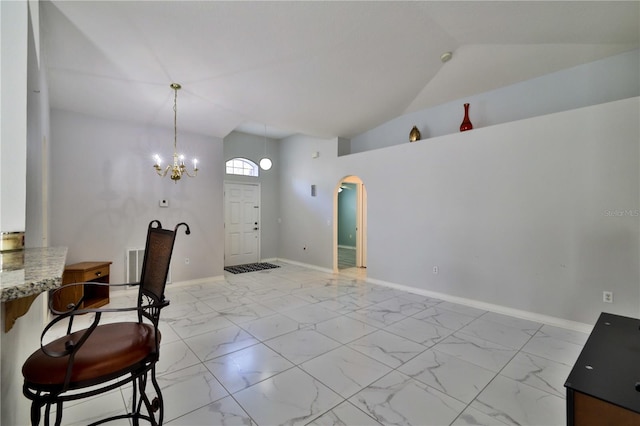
x: 249, y: 267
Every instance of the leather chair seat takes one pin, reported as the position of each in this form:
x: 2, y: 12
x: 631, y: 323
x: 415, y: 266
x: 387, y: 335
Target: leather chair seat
x: 110, y: 351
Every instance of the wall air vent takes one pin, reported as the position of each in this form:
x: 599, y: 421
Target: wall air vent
x: 133, y: 262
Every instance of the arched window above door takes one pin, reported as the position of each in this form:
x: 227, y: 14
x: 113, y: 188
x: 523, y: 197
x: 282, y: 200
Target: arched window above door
x: 242, y: 167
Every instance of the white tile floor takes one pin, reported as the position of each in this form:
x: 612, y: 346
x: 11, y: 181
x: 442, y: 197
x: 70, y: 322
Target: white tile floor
x: 298, y: 346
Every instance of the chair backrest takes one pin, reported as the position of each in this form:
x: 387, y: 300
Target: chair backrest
x: 155, y: 266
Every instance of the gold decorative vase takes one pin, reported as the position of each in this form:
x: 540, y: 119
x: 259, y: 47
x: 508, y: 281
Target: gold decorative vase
x: 414, y: 134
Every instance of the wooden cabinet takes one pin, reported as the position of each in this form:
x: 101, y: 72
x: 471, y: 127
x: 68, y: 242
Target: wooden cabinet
x: 604, y: 385
x: 94, y: 296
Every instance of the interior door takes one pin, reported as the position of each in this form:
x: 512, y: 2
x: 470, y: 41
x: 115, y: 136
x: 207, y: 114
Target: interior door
x: 241, y: 223
x: 360, y: 218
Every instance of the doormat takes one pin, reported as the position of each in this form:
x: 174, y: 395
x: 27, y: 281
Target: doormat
x: 249, y: 267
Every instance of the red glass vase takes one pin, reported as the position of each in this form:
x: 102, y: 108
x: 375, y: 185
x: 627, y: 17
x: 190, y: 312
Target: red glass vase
x: 466, y: 123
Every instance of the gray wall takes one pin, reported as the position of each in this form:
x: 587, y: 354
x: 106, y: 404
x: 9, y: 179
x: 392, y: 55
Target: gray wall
x: 539, y: 215
x: 306, y: 231
x: 252, y: 147
x: 105, y: 191
x: 606, y: 80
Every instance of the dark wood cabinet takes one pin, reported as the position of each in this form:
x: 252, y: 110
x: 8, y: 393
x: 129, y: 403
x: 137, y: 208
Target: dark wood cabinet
x: 94, y: 296
x: 604, y: 385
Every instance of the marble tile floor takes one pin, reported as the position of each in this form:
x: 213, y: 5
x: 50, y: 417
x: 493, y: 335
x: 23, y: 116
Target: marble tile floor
x: 295, y: 346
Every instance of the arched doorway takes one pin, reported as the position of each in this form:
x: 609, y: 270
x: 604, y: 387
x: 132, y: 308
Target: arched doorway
x: 350, y: 225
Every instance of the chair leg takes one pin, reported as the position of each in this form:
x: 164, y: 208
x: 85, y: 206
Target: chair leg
x: 135, y: 403
x: 36, y: 406
x: 158, y: 403
x: 144, y: 398
x: 38, y: 401
x: 59, y: 413
x: 47, y: 414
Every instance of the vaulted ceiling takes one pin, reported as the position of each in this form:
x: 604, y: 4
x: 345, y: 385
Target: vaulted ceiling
x: 325, y: 68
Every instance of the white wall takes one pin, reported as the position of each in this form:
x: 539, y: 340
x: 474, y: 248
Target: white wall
x: 23, y: 124
x: 17, y: 344
x: 38, y: 136
x: 104, y: 192
x: 523, y: 215
x: 13, y: 103
x: 252, y: 147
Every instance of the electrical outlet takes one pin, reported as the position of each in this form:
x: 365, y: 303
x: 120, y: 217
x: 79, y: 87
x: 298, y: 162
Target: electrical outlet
x: 435, y: 270
x: 607, y: 296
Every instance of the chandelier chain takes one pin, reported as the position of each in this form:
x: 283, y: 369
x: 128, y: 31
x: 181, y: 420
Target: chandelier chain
x: 175, y: 117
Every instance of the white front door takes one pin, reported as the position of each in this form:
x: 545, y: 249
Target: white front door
x: 241, y: 223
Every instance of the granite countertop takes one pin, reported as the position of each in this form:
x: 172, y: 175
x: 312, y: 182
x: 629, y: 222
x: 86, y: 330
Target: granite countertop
x: 42, y: 271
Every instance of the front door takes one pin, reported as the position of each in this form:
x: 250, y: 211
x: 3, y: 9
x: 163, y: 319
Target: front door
x: 241, y: 223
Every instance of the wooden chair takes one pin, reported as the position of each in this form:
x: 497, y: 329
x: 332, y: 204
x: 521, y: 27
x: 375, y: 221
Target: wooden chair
x: 103, y: 356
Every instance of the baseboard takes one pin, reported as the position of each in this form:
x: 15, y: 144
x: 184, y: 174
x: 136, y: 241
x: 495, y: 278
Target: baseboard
x: 306, y: 265
x: 197, y: 281
x: 517, y: 313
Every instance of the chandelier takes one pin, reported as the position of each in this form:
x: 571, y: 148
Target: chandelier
x: 177, y: 168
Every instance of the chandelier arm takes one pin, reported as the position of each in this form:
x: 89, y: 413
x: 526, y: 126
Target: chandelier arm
x: 160, y: 172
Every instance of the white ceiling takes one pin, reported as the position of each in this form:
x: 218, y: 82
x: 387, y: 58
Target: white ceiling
x: 327, y: 68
